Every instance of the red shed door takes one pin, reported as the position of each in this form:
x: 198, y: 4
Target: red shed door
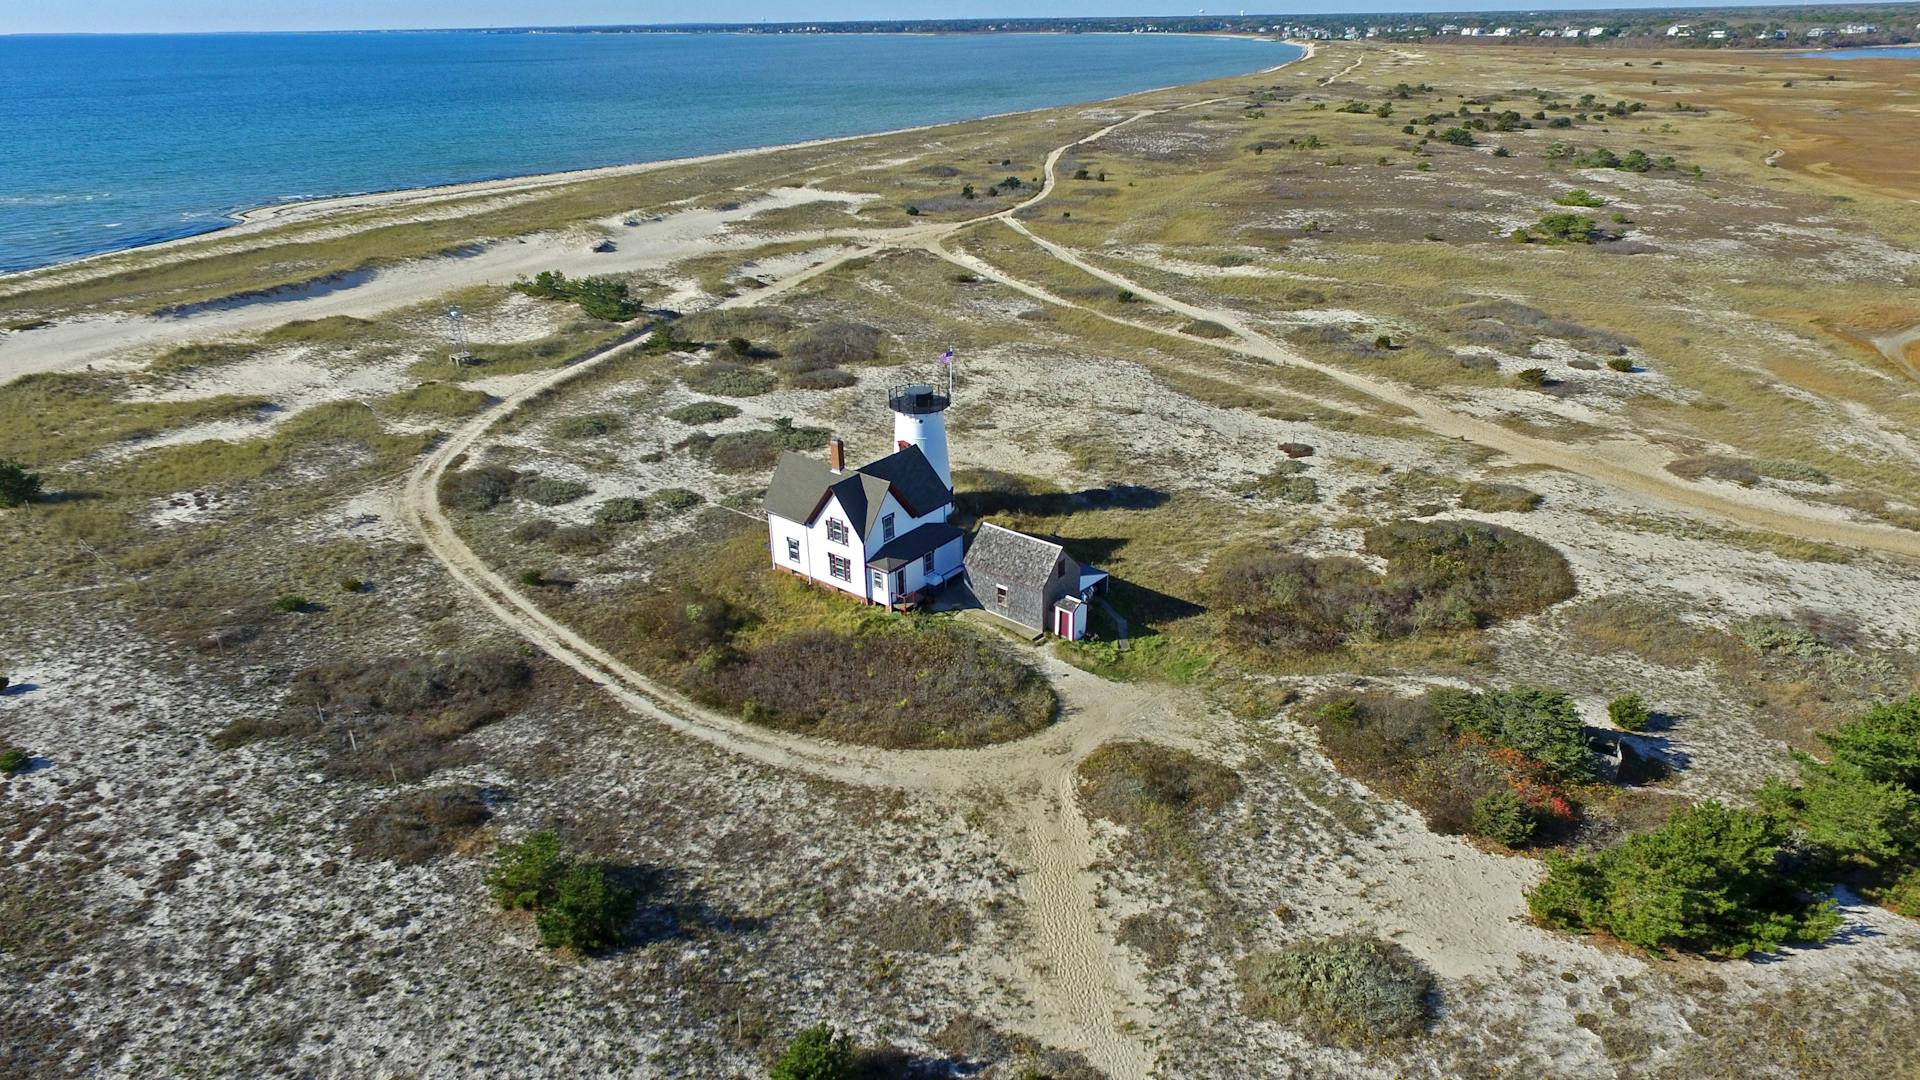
x: 1063, y: 623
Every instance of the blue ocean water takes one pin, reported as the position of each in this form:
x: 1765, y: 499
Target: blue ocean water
x: 1884, y: 52
x: 107, y: 142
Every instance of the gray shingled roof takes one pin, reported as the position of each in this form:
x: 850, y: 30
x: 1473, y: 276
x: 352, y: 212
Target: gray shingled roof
x: 1000, y: 554
x: 914, y: 543
x: 800, y: 484
x: 798, y: 487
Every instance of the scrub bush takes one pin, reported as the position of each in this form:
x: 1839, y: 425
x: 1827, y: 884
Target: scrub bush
x: 1352, y: 990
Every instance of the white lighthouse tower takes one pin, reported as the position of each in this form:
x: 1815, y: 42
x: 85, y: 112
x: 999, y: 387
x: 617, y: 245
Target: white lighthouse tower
x: 919, y: 419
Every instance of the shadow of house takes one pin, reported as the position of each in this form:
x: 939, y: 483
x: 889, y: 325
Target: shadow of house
x: 1002, y: 493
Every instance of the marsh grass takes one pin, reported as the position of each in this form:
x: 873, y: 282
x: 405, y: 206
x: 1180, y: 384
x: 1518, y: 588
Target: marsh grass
x: 437, y: 399
x: 52, y: 418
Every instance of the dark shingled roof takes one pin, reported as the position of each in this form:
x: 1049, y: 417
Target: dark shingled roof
x: 1000, y: 554
x: 913, y: 544
x: 913, y: 480
x: 800, y: 484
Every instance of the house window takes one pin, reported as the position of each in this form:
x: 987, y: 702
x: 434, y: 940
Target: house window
x: 793, y: 550
x: 840, y: 566
x: 836, y: 530
x: 1000, y: 596
x: 886, y: 527
x: 880, y: 582
x: 926, y: 563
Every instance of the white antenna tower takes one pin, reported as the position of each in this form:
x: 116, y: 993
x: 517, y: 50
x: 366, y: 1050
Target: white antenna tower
x: 457, y: 336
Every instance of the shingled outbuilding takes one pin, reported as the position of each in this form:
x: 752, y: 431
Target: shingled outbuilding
x: 1031, y: 581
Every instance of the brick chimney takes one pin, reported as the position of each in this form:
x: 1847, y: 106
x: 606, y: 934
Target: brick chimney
x: 836, y: 454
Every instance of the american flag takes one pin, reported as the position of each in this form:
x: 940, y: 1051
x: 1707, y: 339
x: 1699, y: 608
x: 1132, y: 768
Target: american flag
x: 947, y: 357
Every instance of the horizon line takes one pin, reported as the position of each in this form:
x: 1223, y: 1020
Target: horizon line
x: 1518, y: 6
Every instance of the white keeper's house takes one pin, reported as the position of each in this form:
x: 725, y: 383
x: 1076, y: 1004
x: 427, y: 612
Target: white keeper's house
x: 881, y: 531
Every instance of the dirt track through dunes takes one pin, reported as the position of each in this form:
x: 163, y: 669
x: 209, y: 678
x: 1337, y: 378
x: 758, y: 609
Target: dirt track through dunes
x: 1625, y: 464
x: 1899, y: 347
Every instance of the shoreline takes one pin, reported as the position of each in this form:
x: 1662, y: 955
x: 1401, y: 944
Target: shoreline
x: 259, y: 218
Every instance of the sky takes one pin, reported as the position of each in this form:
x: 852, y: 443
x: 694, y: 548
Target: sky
x: 164, y: 16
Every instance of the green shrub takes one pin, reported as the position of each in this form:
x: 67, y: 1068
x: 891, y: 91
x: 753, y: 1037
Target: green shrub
x: 1628, y: 712
x: 576, y: 903
x: 13, y: 759
x: 290, y: 603
x: 1457, y: 136
x: 697, y: 413
x: 1900, y: 896
x: 533, y: 578
x: 18, y: 487
x: 599, y: 297
x: 1542, y: 724
x: 1711, y: 880
x: 621, y: 510
x: 728, y: 379
x: 671, y: 501
x: 1504, y: 817
x: 1147, y: 785
x: 352, y: 585
x: 1288, y: 482
x: 822, y: 379
x: 1567, y: 228
x: 1863, y: 806
x: 1620, y: 363
x: 550, y: 491
x: 1884, y: 743
x: 1493, y: 498
x: 1352, y: 990
x: 481, y: 488
x: 525, y: 872
x: 817, y: 1053
x: 755, y: 450
x: 588, y: 425
x: 585, y: 911
x: 1579, y: 197
x: 1533, y: 377
x: 1847, y: 816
